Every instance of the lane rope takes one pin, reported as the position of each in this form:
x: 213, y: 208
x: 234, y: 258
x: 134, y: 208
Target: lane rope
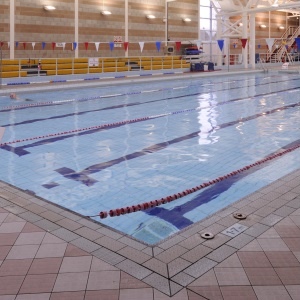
x: 148, y: 205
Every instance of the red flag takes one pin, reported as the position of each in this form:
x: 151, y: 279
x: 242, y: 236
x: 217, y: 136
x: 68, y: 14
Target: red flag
x: 125, y: 46
x: 53, y: 45
x: 1, y: 44
x: 244, y: 42
x: 86, y: 44
x: 178, y: 45
x: 24, y: 46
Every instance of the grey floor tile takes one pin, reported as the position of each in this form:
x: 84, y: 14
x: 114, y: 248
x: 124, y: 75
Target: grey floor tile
x: 158, y: 282
x: 221, y: 253
x: 133, y: 269
x: 108, y: 256
x: 85, y: 244
x: 240, y: 241
x: 200, y: 267
x: 65, y: 234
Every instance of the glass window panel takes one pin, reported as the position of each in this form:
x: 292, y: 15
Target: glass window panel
x: 205, y: 12
x: 205, y: 24
x: 205, y: 3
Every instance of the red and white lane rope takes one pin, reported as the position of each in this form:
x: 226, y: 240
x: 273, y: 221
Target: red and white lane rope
x: 97, y: 127
x: 164, y: 200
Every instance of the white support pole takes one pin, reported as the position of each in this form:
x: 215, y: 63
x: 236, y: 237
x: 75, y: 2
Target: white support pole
x: 76, y: 28
x: 219, y: 34
x: 252, y: 40
x: 12, y: 29
x: 199, y: 37
x: 245, y: 36
x: 166, y: 23
x: 126, y: 25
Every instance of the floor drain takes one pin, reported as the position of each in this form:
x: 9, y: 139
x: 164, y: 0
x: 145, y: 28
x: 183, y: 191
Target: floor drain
x: 239, y: 216
x: 207, y: 235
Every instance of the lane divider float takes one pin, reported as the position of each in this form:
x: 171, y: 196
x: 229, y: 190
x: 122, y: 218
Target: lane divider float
x: 151, y: 204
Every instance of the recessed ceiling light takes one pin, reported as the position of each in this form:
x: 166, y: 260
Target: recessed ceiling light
x: 187, y: 20
x: 105, y: 12
x: 150, y: 17
x: 49, y: 7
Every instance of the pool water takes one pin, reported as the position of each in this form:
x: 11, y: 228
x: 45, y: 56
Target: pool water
x: 72, y: 147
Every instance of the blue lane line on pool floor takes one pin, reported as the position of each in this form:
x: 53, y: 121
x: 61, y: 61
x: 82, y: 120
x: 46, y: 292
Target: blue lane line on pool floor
x: 82, y: 176
x: 175, y: 216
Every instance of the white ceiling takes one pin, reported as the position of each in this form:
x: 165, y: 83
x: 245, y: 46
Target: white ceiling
x: 236, y: 7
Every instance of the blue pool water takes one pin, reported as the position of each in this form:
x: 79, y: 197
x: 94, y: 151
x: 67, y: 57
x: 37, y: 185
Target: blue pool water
x: 178, y: 135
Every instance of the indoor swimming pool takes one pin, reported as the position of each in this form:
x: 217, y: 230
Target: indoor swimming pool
x: 98, y: 149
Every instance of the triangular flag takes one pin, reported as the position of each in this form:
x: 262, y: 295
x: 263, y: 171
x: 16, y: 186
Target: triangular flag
x: 64, y: 45
x: 221, y: 44
x: 111, y: 46
x: 178, y: 45
x: 158, y: 46
x: 43, y: 45
x: 198, y: 43
x: 258, y: 46
x: 17, y: 44
x: 86, y: 44
x: 297, y: 42
x: 125, y: 46
x: 244, y: 42
x: 74, y: 45
x: 33, y: 45
x: 270, y: 42
x: 1, y: 44
x: 286, y: 47
x: 53, y: 45
x: 24, y: 45
x: 97, y: 45
x: 8, y: 45
x: 141, y: 45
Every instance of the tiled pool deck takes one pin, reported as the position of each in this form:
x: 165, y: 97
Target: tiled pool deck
x: 47, y: 252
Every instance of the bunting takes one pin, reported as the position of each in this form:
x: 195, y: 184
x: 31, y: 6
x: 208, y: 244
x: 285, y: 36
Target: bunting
x: 125, y: 46
x: 24, y: 45
x: 74, y: 45
x: 178, y: 45
x: 221, y: 44
x: 297, y: 42
x: 53, y: 46
x: 270, y: 42
x: 158, y: 44
x: 86, y: 44
x: 33, y: 45
x: 244, y: 43
x: 111, y: 46
x: 43, y: 45
x: 141, y: 45
x: 97, y: 45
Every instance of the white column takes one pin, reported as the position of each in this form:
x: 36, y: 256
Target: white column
x: 76, y: 28
x: 219, y: 36
x: 166, y: 23
x: 12, y: 29
x: 245, y: 36
x: 252, y: 40
x: 126, y: 25
x: 199, y: 38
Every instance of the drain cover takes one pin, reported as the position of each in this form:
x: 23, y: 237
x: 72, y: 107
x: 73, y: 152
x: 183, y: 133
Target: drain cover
x: 207, y: 235
x: 239, y: 216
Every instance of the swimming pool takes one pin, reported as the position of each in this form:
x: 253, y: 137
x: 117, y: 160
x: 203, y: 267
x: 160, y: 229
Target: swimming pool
x: 98, y: 149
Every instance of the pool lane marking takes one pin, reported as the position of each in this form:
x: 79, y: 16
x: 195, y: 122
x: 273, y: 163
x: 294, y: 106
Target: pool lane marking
x: 82, y: 176
x: 139, y: 103
x: 154, y: 203
x: 48, y: 103
x: 110, y: 125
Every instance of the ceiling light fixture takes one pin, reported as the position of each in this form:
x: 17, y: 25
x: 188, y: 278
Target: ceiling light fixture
x: 281, y: 27
x: 186, y: 19
x: 105, y: 12
x: 49, y: 7
x: 262, y: 26
x: 150, y: 17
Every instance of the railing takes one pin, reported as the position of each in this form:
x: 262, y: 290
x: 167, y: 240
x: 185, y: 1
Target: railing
x: 72, y: 66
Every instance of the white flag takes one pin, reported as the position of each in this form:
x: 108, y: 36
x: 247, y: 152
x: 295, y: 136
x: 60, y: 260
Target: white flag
x: 97, y: 45
x: 8, y: 45
x: 270, y: 43
x: 64, y: 45
x: 142, y: 45
x: 198, y: 43
x: 33, y: 45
